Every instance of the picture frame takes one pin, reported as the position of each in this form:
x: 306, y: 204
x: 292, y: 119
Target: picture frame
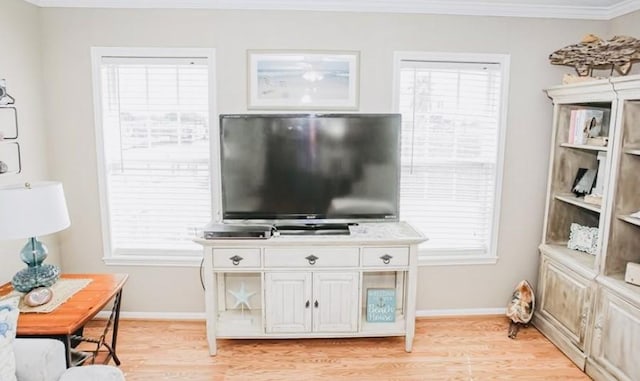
x: 583, y: 238
x: 303, y: 80
x: 584, y: 181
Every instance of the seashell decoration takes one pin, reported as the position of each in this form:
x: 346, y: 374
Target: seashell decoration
x: 595, y: 53
x: 520, y: 308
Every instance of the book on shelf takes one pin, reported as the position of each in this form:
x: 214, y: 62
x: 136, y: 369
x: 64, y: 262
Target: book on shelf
x: 572, y: 126
x: 598, y: 188
x: 585, y: 124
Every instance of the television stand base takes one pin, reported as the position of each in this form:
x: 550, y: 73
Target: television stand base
x: 314, y: 229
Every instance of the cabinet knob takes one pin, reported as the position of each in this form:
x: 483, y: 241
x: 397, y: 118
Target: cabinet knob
x: 236, y: 260
x: 307, y: 304
x: 315, y: 304
x: 386, y: 259
x: 312, y: 259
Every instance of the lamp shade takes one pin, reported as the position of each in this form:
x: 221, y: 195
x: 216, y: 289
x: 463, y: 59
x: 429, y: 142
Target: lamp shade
x: 32, y: 210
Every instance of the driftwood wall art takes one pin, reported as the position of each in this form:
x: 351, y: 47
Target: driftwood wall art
x: 595, y: 53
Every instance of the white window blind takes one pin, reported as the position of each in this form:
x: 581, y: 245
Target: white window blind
x: 451, y: 128
x: 155, y: 130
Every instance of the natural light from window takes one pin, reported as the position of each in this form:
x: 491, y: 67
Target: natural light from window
x: 155, y: 133
x: 452, y: 127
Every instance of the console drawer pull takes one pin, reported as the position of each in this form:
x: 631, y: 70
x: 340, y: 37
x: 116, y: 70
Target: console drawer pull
x: 236, y: 260
x: 312, y: 259
x: 386, y: 259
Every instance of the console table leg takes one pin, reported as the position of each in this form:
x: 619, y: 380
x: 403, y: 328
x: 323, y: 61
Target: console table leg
x: 408, y: 343
x: 66, y: 340
x: 114, y: 334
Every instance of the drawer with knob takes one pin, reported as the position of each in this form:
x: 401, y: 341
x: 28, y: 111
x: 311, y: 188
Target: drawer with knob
x: 311, y: 257
x: 385, y: 256
x: 236, y: 258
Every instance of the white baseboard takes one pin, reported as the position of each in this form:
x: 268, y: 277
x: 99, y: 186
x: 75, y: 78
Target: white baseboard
x: 155, y: 315
x: 201, y: 315
x: 461, y: 312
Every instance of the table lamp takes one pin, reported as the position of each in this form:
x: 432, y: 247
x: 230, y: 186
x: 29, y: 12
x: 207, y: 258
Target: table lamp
x: 28, y: 211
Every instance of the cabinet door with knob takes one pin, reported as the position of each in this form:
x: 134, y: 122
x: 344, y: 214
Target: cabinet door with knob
x: 566, y: 301
x: 311, y: 302
x: 616, y: 340
x: 335, y: 301
x: 288, y: 302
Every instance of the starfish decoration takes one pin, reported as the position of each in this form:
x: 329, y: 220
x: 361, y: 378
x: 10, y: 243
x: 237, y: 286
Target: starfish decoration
x: 242, y: 296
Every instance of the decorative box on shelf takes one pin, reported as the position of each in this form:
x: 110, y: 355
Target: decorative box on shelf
x: 632, y: 275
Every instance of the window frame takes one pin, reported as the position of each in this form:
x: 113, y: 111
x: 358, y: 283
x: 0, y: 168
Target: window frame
x: 449, y: 257
x: 162, y: 258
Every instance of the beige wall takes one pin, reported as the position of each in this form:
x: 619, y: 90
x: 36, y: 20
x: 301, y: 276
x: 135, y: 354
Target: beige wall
x: 626, y: 25
x: 68, y: 34
x: 45, y: 59
x: 60, y: 40
x: 20, y: 65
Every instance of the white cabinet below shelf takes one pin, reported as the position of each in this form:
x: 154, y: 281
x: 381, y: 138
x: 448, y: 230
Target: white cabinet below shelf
x: 288, y: 303
x: 302, y: 302
x: 616, y: 340
x: 335, y: 301
x: 565, y: 301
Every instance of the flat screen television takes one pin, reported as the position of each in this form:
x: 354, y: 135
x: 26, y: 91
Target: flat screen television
x: 310, y: 168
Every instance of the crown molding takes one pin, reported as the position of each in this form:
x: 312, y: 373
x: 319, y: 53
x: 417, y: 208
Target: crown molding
x: 443, y: 7
x: 622, y: 8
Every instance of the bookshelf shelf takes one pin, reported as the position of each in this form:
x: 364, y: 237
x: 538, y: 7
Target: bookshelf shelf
x: 632, y: 151
x: 570, y: 258
x: 572, y: 199
x: 629, y: 219
x: 586, y: 147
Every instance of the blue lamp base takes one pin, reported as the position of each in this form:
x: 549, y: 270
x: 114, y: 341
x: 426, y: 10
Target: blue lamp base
x: 32, y: 277
x: 36, y: 274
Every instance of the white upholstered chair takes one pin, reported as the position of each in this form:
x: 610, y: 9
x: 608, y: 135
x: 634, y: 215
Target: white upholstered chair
x: 44, y: 360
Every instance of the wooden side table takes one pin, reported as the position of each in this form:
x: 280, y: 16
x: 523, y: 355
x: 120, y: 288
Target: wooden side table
x: 69, y: 318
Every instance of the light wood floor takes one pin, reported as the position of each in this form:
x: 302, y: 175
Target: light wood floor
x: 474, y: 348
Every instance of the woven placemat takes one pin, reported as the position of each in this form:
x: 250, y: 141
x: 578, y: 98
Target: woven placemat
x: 63, y: 289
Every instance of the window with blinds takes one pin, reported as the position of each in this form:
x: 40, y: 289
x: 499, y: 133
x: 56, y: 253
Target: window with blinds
x: 452, y: 132
x: 154, y: 126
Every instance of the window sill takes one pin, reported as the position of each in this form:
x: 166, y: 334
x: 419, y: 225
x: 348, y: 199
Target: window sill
x: 153, y: 261
x: 430, y: 260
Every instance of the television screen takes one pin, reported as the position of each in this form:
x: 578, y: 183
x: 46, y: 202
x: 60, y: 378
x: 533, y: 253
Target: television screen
x: 318, y: 168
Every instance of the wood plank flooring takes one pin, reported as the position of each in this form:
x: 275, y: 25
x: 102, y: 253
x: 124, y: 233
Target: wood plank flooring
x: 473, y: 348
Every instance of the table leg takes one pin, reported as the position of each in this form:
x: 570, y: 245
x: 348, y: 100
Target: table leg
x: 114, y: 318
x: 114, y: 334
x: 66, y: 340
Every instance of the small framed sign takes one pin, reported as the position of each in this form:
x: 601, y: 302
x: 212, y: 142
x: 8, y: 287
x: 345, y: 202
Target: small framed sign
x: 381, y: 305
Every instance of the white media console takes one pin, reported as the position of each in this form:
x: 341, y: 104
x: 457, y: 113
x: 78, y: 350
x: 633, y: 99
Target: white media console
x: 310, y: 286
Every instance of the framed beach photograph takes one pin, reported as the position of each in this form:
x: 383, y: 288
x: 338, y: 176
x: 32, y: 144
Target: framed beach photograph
x: 303, y: 80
